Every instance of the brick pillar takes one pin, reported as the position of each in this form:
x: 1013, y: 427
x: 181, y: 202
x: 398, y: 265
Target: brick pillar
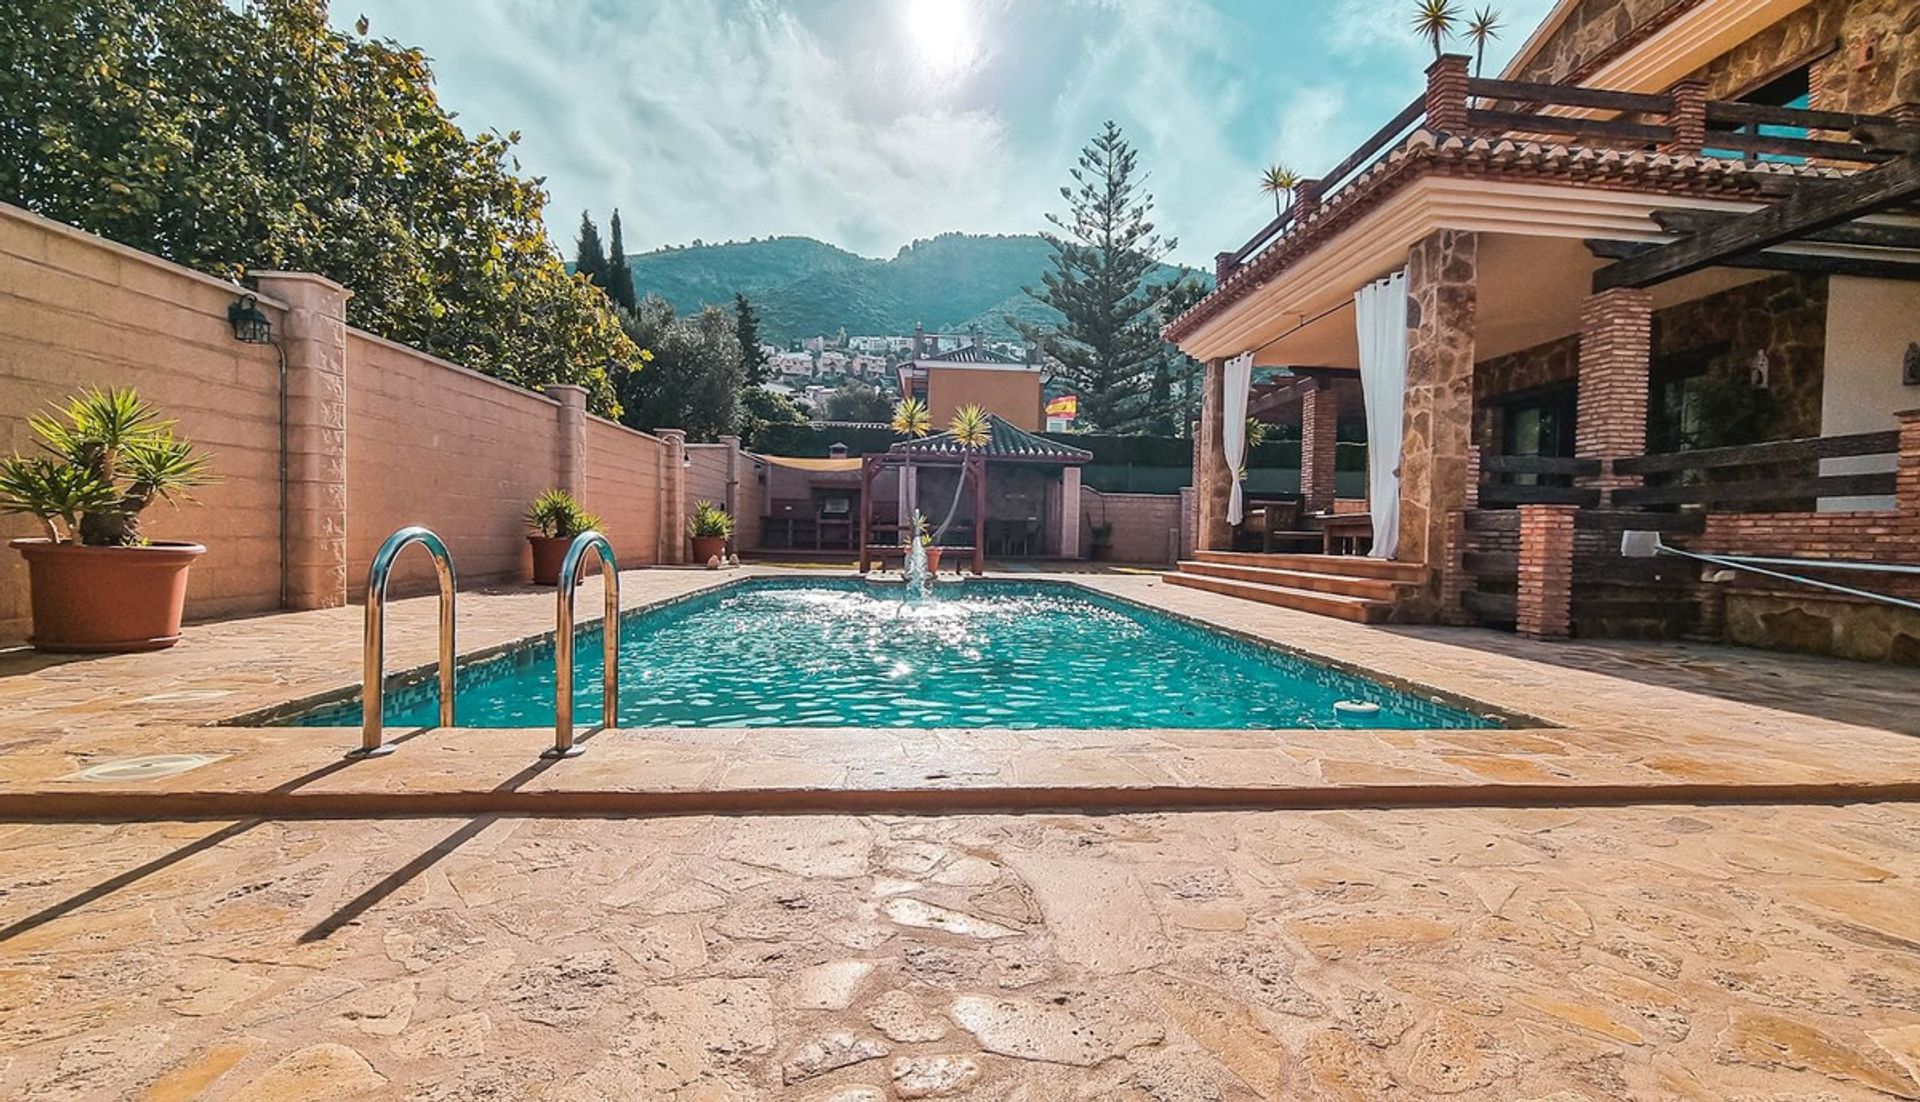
x: 313, y: 337
x: 1306, y: 199
x: 673, y: 497
x: 1070, y: 512
x: 1454, y: 580
x: 1222, y: 267
x: 1906, y: 483
x: 570, y: 441
x: 1545, y: 604
x: 1447, y: 94
x: 1616, y: 347
x: 1319, y: 417
x: 1212, y: 481
x: 1437, y: 423
x: 1688, y: 120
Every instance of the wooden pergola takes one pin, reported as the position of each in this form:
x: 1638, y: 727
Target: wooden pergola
x: 1006, y: 443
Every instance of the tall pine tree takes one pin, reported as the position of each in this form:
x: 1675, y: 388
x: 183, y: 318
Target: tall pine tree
x: 1105, y: 247
x: 589, y: 258
x: 619, y: 283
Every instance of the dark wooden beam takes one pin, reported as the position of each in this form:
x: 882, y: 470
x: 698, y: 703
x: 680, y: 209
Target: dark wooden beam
x: 1847, y: 233
x: 1891, y: 137
x: 1799, y: 214
x: 1575, y: 125
x: 1768, y: 260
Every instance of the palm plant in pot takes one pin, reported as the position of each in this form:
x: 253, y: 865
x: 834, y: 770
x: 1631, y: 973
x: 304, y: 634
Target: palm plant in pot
x: 555, y: 519
x: 99, y: 584
x: 708, y: 528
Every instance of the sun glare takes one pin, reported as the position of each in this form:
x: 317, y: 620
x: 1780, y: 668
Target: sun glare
x: 945, y: 40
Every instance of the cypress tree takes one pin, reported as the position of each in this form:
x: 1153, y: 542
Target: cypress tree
x: 589, y: 259
x: 746, y: 330
x: 619, y: 282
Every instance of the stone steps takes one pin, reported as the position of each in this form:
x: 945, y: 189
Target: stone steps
x: 1351, y: 565
x: 1358, y: 610
x: 1346, y: 585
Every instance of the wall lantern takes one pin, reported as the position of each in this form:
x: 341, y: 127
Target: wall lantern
x: 250, y: 325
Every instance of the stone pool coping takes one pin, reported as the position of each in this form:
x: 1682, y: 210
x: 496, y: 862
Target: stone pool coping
x: 1608, y: 740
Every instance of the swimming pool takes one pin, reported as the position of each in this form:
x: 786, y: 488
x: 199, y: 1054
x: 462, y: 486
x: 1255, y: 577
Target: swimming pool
x: 800, y: 652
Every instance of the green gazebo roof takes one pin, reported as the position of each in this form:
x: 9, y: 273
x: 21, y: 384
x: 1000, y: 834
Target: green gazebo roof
x: 1005, y: 442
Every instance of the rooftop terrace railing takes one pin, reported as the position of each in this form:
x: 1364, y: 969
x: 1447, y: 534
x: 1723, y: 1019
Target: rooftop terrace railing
x: 1681, y: 122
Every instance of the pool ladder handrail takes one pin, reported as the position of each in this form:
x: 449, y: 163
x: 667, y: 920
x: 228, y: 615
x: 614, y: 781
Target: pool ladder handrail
x: 563, y: 744
x: 374, y: 645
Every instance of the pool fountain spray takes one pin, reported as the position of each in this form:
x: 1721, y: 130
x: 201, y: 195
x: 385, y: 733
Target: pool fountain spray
x: 919, y: 578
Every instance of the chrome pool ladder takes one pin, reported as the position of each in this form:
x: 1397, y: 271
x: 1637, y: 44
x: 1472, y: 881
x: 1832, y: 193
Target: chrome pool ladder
x: 563, y: 744
x: 373, y: 649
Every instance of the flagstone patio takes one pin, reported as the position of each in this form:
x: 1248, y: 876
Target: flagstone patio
x: 1686, y: 878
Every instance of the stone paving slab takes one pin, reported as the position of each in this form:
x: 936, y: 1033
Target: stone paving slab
x: 1484, y: 955
x: 1609, y: 738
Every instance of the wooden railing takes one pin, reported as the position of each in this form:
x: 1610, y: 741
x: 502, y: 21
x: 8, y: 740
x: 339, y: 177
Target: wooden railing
x: 1498, y: 489
x: 1629, y: 120
x: 1728, y: 476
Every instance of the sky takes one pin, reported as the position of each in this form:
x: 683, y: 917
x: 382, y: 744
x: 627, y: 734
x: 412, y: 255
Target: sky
x: 872, y: 123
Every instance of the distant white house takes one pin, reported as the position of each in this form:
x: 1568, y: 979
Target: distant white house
x: 832, y: 363
x: 795, y: 365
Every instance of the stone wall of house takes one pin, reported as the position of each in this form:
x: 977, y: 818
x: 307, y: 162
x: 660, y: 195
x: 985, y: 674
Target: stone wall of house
x: 1542, y: 365
x: 380, y: 435
x: 1865, y: 55
x: 1592, y: 32
x: 1146, y: 527
x: 1783, y: 315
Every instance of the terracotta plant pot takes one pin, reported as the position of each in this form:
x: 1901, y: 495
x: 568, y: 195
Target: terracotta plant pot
x: 548, y: 553
x: 933, y: 559
x: 103, y: 600
x: 706, y: 547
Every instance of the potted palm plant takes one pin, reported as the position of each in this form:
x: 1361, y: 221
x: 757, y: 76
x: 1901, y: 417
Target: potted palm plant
x: 556, y: 518
x: 98, y: 584
x: 708, y: 528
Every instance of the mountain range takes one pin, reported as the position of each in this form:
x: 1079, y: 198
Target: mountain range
x: 955, y: 282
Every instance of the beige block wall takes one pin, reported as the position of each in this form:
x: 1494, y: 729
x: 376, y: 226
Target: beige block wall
x: 428, y: 442
x: 1145, y: 526
x: 707, y: 481
x: 435, y: 444
x: 623, y: 486
x: 77, y: 311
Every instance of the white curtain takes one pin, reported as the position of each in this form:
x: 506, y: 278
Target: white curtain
x: 1233, y: 426
x: 1380, y: 311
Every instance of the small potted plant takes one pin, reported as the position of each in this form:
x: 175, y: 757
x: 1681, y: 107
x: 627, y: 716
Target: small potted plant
x: 925, y: 531
x: 1102, y: 547
x: 708, y: 528
x: 556, y: 518
x: 98, y: 584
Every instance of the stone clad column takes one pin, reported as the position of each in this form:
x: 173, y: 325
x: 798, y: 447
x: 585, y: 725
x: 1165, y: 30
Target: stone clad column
x: 571, y: 438
x: 673, y: 497
x: 1319, y: 419
x: 313, y: 337
x: 1437, y: 422
x: 1070, y: 512
x: 1616, y: 350
x: 1212, y: 484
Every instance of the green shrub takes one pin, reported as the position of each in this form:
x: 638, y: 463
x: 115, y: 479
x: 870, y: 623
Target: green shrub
x: 556, y: 515
x: 709, y: 521
x: 109, y: 457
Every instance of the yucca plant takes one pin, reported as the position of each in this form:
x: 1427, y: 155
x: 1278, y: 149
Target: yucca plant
x: 556, y: 515
x: 911, y: 420
x: 1483, y: 28
x: 709, y: 521
x: 1435, y: 20
x: 109, y: 457
x: 971, y: 428
x: 1279, y: 182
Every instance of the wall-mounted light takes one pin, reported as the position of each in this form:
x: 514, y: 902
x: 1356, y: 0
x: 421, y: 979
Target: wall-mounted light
x: 250, y: 325
x: 1758, y: 370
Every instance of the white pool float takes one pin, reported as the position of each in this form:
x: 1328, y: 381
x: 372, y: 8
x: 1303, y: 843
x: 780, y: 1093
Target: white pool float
x: 1355, y: 707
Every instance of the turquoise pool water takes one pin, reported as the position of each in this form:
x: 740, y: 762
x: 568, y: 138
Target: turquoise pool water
x: 842, y: 653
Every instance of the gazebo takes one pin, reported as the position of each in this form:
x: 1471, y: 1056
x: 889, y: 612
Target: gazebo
x: 1008, y: 447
